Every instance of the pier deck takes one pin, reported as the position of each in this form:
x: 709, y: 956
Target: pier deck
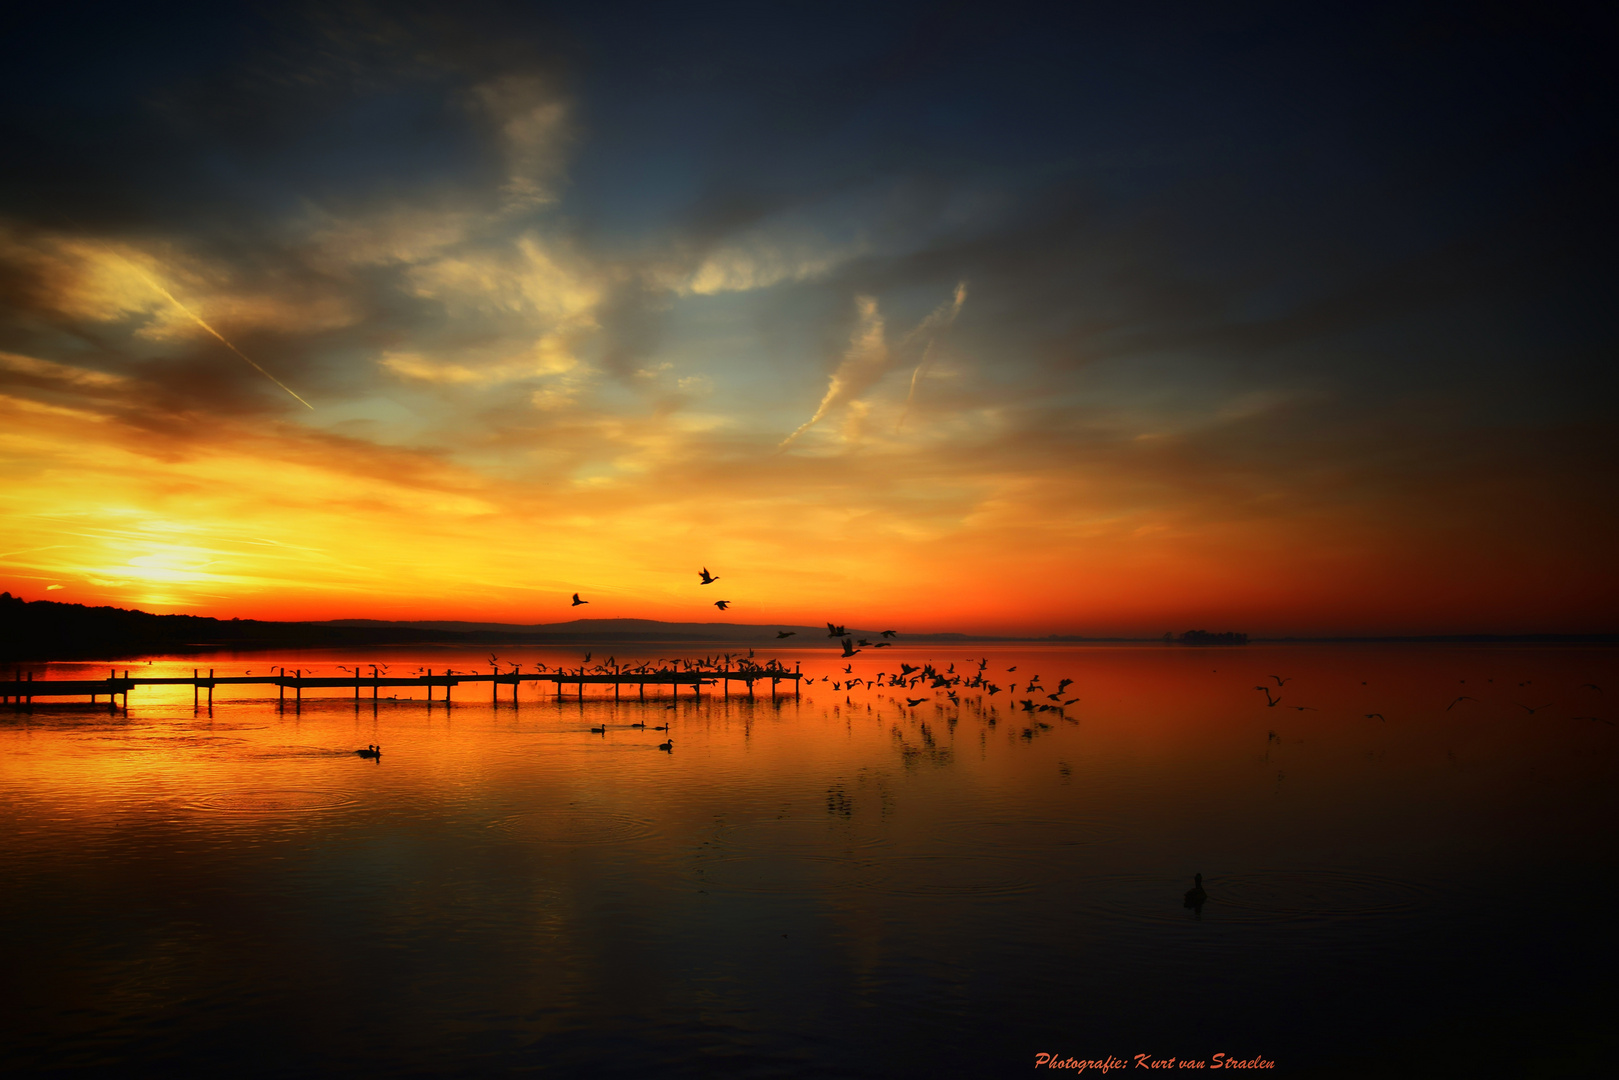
x: 19, y: 690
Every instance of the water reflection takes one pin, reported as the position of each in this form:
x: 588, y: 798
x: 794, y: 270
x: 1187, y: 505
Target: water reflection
x: 853, y: 881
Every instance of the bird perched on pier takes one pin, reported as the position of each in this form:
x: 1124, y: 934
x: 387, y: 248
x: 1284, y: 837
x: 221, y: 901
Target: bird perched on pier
x: 785, y: 633
x: 708, y: 579
x: 722, y: 604
x: 577, y: 601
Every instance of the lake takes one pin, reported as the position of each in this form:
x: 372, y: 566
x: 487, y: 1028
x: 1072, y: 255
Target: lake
x: 1411, y: 873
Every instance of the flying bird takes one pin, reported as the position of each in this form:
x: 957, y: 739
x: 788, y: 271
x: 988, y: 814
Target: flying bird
x: 722, y: 604
x: 1281, y: 682
x: 1270, y: 701
x: 848, y: 647
x: 708, y: 579
x: 914, y: 701
x: 1377, y: 716
x: 1533, y: 711
x: 577, y: 601
x: 833, y: 630
x: 890, y: 633
x: 785, y: 633
x: 1458, y: 701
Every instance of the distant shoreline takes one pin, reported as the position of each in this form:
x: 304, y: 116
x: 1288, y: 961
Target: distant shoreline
x: 49, y: 630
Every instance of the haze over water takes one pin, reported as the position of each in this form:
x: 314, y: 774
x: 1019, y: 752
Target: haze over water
x: 832, y: 885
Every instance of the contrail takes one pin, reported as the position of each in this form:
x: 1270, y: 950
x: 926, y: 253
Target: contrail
x: 941, y: 321
x: 198, y: 320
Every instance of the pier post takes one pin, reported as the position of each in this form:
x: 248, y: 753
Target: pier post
x: 429, y: 686
x: 298, y: 702
x: 194, y: 689
x: 581, y: 682
x: 281, y: 688
x: 798, y: 680
x: 373, y: 682
x: 126, y: 689
x: 356, y: 684
x: 727, y: 680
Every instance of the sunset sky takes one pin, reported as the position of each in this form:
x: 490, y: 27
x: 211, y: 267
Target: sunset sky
x: 935, y: 317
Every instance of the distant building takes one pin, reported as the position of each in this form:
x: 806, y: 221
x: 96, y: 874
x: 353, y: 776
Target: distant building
x: 1204, y: 637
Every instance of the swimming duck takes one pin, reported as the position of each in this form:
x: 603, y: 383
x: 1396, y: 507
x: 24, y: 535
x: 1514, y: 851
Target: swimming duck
x: 371, y: 752
x: 1195, y: 896
x: 669, y: 746
x: 599, y: 730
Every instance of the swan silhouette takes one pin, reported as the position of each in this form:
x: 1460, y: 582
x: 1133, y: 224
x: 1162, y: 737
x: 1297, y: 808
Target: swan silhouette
x: 1195, y: 896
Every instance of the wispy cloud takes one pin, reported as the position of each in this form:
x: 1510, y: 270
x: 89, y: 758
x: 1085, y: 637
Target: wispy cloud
x: 869, y: 356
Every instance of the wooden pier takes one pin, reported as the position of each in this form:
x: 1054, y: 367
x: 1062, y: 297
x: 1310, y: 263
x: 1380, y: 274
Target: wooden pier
x: 20, y: 690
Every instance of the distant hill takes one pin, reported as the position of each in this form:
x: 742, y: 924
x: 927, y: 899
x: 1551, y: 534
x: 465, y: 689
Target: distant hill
x: 46, y: 629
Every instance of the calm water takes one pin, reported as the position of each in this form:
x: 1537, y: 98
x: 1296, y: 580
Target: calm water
x: 837, y: 885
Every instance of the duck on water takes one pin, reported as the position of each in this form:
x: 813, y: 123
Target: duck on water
x: 371, y: 752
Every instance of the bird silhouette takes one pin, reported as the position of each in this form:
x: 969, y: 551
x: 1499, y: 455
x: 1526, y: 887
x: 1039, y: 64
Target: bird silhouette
x: 1458, y: 701
x: 890, y: 633
x: 915, y: 701
x: 1377, y: 716
x: 599, y: 730
x: 1591, y: 686
x: 722, y: 604
x: 834, y: 630
x: 371, y: 752
x: 1012, y: 668
x: 661, y: 727
x: 667, y: 747
x: 1195, y: 896
x: 785, y: 633
x: 577, y: 601
x: 1281, y: 682
x: 1270, y: 701
x: 1598, y: 719
x: 708, y: 579
x: 848, y: 647
x: 1533, y: 711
